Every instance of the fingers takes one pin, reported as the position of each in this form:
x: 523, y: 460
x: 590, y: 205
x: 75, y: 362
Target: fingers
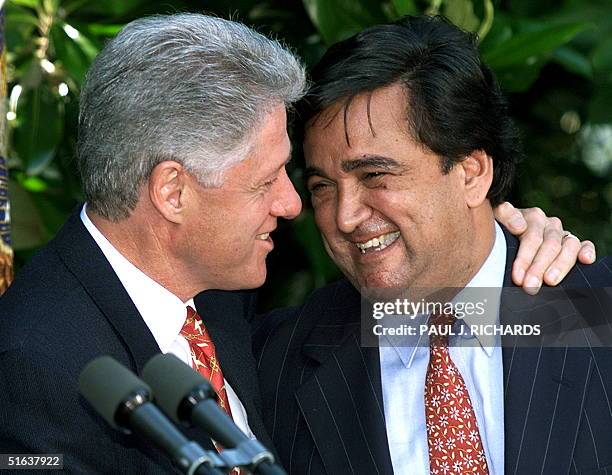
x: 546, y: 253
x: 511, y: 218
x: 563, y: 263
x: 587, y: 254
x: 552, y: 245
x: 530, y: 242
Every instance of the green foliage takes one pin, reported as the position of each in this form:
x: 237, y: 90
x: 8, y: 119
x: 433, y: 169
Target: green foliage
x: 339, y: 19
x: 39, y: 129
x: 404, y: 7
x: 553, y: 57
x: 518, y: 58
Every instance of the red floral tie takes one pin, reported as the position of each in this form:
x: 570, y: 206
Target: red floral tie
x: 204, y: 359
x: 453, y: 437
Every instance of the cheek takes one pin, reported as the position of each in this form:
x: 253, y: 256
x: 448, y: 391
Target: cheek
x: 324, y: 215
x: 248, y: 219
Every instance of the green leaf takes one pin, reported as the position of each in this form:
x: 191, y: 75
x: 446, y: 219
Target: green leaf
x: 19, y: 26
x: 69, y: 54
x: 405, y: 7
x: 461, y: 13
x: 39, y: 130
x: 21, y: 17
x: 89, y: 49
x: 109, y: 9
x: 338, y: 19
x: 98, y: 29
x: 602, y: 57
x: 25, y: 3
x: 521, y: 47
x: 34, y: 184
x: 573, y: 61
x: 499, y: 33
x: 27, y: 228
x: 519, y: 79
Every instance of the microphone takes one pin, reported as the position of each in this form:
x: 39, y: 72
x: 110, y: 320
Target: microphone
x: 188, y: 398
x: 124, y: 401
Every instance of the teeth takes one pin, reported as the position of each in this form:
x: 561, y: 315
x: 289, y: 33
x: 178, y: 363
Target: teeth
x: 263, y: 236
x: 379, y: 243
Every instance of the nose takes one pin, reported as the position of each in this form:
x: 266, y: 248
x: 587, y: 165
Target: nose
x: 351, y: 211
x: 287, y: 203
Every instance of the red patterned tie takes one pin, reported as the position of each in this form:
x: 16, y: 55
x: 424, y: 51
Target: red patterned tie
x: 204, y: 358
x: 453, y: 437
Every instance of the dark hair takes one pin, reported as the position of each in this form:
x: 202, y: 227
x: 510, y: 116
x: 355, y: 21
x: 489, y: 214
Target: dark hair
x: 454, y: 103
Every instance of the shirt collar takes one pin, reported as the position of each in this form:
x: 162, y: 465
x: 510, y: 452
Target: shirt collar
x: 490, y: 275
x: 162, y: 311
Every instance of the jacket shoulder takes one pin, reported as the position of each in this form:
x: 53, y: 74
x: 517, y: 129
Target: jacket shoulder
x: 596, y: 275
x: 292, y: 325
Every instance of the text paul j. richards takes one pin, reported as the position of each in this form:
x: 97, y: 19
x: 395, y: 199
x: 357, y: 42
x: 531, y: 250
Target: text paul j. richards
x: 463, y: 330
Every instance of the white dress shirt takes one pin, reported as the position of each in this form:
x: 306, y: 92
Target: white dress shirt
x: 403, y: 371
x: 162, y: 311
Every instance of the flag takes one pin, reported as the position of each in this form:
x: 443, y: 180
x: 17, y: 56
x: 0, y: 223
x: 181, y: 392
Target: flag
x: 6, y: 252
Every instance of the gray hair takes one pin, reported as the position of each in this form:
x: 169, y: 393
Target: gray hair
x: 185, y: 87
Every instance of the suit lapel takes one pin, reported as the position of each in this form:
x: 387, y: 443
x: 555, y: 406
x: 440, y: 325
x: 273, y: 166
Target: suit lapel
x: 543, y: 395
x: 225, y: 315
x: 83, y: 257
x: 341, y: 401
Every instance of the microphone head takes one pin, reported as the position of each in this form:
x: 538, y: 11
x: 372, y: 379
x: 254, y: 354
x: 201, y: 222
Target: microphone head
x: 107, y: 384
x: 173, y: 381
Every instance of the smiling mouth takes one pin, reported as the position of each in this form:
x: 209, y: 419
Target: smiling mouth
x: 378, y: 243
x: 263, y: 236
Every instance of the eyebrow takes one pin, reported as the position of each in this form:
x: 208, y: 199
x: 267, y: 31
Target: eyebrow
x: 348, y: 166
x: 313, y: 171
x: 376, y: 161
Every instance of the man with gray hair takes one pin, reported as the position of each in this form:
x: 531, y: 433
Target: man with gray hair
x: 182, y: 151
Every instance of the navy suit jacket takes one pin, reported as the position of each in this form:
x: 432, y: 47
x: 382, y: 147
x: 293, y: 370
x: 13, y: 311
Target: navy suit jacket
x: 67, y: 307
x: 323, y: 402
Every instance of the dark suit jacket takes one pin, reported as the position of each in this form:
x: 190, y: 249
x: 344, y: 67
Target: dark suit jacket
x: 67, y: 307
x: 323, y: 400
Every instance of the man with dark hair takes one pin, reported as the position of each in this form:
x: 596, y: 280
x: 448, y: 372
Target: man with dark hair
x: 408, y: 146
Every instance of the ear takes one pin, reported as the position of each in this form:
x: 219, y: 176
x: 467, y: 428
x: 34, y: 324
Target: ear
x: 477, y: 174
x: 167, y: 190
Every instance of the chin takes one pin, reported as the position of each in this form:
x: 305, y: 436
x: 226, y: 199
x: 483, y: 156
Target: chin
x: 382, y: 279
x: 247, y: 280
x: 258, y: 278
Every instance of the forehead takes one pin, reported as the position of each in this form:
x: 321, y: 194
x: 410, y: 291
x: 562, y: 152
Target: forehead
x: 272, y: 131
x: 269, y: 150
x: 370, y: 123
x: 271, y: 146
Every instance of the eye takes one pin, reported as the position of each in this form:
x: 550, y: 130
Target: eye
x: 317, y: 186
x: 269, y: 183
x: 373, y: 175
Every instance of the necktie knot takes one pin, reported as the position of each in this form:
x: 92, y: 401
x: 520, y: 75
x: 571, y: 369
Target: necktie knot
x: 193, y: 326
x: 191, y: 313
x: 440, y: 328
